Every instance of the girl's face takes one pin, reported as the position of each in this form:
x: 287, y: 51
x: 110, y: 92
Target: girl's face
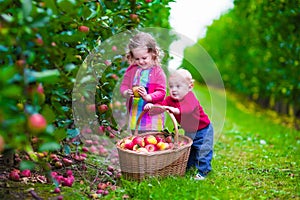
x: 142, y: 58
x: 178, y: 87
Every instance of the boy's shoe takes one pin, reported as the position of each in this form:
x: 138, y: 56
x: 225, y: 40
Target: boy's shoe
x: 199, y: 177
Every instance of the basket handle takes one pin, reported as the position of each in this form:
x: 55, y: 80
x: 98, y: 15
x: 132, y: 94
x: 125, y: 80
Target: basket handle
x: 171, y: 116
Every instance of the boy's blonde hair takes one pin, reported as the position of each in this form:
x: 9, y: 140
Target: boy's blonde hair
x: 143, y: 40
x: 185, y: 74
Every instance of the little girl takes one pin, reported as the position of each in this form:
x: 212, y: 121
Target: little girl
x: 144, y: 82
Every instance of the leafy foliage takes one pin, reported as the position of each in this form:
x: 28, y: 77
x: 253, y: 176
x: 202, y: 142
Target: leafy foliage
x: 45, y: 44
x: 256, y: 48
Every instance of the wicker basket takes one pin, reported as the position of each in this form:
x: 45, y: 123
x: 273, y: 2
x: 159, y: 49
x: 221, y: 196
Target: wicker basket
x: 138, y: 166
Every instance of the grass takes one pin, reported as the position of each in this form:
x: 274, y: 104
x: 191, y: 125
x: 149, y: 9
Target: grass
x: 255, y: 157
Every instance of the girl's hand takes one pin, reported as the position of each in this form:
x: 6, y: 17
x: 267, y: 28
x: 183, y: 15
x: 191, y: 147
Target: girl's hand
x: 148, y: 106
x: 143, y: 93
x: 128, y: 93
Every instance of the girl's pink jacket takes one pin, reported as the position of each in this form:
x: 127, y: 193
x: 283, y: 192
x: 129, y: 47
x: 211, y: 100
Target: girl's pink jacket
x: 156, y: 85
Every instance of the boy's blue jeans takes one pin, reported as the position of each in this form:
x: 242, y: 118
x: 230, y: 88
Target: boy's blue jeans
x: 201, y: 150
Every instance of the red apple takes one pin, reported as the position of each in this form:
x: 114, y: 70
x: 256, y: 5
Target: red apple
x: 114, y: 48
x: 69, y: 173
x: 67, y: 161
x: 162, y: 145
x: 169, y: 139
x: 59, y: 178
x: 103, y: 152
x: 102, y: 186
x: 139, y: 141
x: 117, y: 104
x: 39, y: 41
x: 111, y: 135
x: 40, y: 88
x: 101, y: 129
x: 91, y: 107
x: 100, y: 191
x: 14, y: 175
x: 110, y: 168
x: 114, y: 76
x: 26, y: 173
x: 107, y: 62
x: 56, y: 190
x: 37, y: 123
x: 84, y: 29
x: 182, y: 143
x: 102, y: 108
x: 85, y: 149
x: 21, y: 62
x: 128, y: 145
x: 134, y: 17
x: 159, y: 139
x: 151, y: 147
x: 150, y: 139
x: 67, y: 182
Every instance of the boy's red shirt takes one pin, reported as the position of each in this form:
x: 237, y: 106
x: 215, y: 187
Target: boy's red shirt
x: 192, y: 116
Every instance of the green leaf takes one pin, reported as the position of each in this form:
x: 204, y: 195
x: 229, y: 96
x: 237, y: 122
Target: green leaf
x: 26, y: 164
x: 60, y: 134
x: 12, y: 91
x: 48, y: 113
x: 7, y: 17
x: 40, y: 22
x: 67, y: 149
x: 70, y: 67
x: 49, y: 146
x: 47, y: 76
x: 27, y: 7
x: 73, y: 132
x: 6, y: 73
x: 51, y: 4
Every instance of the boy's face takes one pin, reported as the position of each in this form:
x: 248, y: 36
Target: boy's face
x: 142, y: 58
x: 179, y: 87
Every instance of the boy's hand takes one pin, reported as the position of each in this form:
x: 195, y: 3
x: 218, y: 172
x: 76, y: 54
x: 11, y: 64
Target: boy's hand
x: 173, y: 110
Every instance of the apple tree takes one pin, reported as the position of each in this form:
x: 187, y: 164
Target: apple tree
x: 43, y: 45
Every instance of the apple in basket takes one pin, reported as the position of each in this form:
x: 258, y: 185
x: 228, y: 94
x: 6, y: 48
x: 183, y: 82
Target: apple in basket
x: 151, y: 147
x: 126, y: 144
x: 139, y: 141
x: 142, y: 149
x: 162, y: 145
x: 169, y: 139
x: 183, y: 143
x: 150, y: 139
x: 160, y: 138
x: 135, y: 147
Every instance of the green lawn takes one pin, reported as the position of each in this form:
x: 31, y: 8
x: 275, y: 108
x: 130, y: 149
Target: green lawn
x: 254, y: 157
